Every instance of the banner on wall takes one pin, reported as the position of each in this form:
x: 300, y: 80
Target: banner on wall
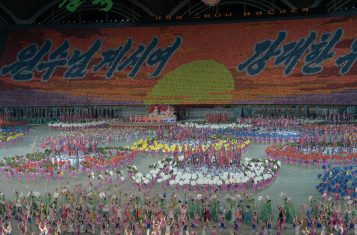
x: 309, y: 61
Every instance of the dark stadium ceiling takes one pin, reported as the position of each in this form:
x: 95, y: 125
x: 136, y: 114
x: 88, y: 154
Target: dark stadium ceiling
x: 48, y: 12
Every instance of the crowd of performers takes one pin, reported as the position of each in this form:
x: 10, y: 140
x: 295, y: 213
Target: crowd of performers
x: 76, y: 117
x: 109, y: 210
x: 319, y: 145
x: 218, y: 153
x: 11, y: 135
x: 87, y: 140
x: 99, y: 210
x: 8, y: 136
x: 336, y: 118
x: 271, y: 124
x: 61, y: 126
x: 323, y: 137
x: 338, y: 181
x: 11, y: 132
x: 70, y: 145
x: 217, y: 118
x: 181, y: 132
x: 222, y: 157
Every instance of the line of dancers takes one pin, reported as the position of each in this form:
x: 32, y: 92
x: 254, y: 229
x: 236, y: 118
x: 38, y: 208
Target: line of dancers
x: 110, y: 210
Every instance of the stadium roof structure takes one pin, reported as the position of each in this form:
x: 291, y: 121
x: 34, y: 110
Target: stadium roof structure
x: 29, y: 12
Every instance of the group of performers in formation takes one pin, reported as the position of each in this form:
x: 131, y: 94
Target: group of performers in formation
x: 100, y: 210
x: 271, y: 124
x: 11, y: 132
x: 339, y: 181
x: 87, y: 140
x: 323, y: 137
x: 218, y: 118
x: 109, y: 210
x: 70, y: 145
x: 212, y: 157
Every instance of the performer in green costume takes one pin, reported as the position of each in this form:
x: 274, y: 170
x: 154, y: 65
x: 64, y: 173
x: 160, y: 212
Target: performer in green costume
x: 214, y: 210
x: 191, y: 208
x: 289, y: 210
x: 228, y: 214
x: 266, y: 210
